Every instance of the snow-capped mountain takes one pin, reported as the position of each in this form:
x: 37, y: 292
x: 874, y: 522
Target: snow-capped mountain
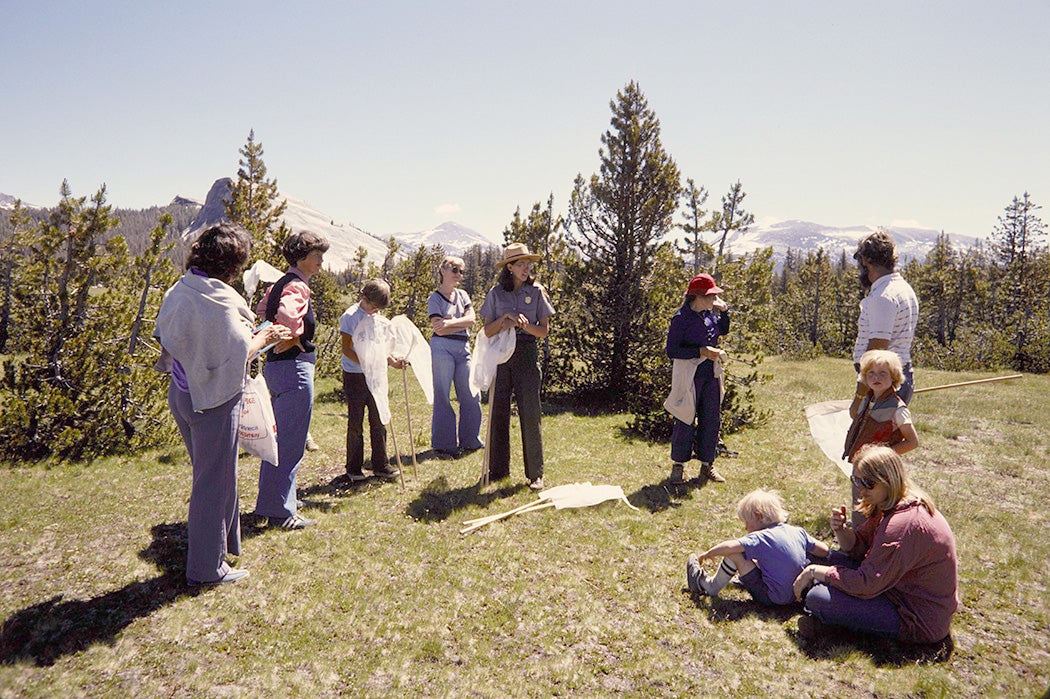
x: 453, y: 237
x: 7, y: 203
x: 805, y: 236
x: 344, y: 239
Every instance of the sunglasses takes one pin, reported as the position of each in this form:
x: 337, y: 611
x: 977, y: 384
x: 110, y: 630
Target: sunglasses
x: 864, y: 483
x: 455, y: 270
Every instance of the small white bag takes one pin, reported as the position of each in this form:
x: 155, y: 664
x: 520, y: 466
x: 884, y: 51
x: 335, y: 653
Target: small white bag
x: 257, y: 432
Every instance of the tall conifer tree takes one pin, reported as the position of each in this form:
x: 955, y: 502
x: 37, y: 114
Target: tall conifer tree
x: 254, y: 204
x: 620, y: 216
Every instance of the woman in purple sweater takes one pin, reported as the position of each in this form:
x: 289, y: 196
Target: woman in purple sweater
x: 895, y: 575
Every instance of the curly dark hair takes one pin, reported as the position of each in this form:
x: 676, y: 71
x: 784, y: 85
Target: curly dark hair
x: 506, y: 279
x: 221, y: 251
x: 298, y: 245
x: 878, y: 249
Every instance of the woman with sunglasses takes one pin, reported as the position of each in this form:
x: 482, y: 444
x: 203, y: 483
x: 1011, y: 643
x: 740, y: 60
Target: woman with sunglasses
x: 451, y: 317
x: 894, y: 576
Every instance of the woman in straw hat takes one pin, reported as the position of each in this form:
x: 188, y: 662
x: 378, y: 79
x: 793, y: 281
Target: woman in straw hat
x: 517, y: 302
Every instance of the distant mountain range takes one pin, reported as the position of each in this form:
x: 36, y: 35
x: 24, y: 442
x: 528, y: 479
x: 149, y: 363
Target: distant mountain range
x: 345, y: 239
x: 805, y: 236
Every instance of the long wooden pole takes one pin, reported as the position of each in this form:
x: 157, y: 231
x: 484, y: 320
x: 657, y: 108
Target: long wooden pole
x: 968, y: 383
x: 408, y: 415
x: 484, y: 480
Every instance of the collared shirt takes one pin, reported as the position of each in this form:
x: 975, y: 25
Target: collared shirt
x: 530, y: 300
x: 890, y: 312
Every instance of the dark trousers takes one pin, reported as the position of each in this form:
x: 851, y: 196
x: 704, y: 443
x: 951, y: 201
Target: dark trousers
x: 520, y: 376
x: 358, y: 397
x: 703, y: 439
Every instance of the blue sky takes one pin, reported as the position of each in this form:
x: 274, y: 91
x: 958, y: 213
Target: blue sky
x: 398, y: 115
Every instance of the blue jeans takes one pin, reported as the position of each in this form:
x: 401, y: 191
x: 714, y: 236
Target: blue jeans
x: 214, y: 525
x: 450, y: 362
x: 703, y: 439
x: 834, y: 607
x: 291, y: 384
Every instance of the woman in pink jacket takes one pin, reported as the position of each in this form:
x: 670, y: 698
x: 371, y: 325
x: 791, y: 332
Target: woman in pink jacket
x: 895, y: 575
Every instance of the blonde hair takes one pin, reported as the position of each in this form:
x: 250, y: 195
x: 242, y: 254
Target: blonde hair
x: 879, y: 463
x: 446, y: 262
x: 890, y: 360
x: 764, y: 507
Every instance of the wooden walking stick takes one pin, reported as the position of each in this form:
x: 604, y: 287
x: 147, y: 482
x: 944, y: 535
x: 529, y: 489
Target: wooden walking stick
x: 397, y: 453
x: 488, y: 440
x: 968, y: 383
x: 408, y: 415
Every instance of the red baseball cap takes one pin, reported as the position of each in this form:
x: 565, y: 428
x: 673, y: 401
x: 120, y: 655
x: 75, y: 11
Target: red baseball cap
x: 703, y: 285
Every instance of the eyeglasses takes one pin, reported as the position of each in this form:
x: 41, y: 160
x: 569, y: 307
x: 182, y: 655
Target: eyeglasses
x: 864, y: 483
x: 455, y: 270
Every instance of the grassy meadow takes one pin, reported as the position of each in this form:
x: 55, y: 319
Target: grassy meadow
x: 384, y: 598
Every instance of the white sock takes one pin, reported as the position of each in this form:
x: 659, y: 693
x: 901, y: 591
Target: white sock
x: 722, y: 576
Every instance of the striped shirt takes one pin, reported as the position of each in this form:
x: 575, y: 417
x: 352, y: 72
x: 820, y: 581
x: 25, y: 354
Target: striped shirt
x: 890, y: 311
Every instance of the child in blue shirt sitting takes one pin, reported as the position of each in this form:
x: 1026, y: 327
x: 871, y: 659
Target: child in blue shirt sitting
x: 767, y: 559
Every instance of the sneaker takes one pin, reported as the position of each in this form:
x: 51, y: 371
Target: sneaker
x: 537, y: 484
x: 694, y: 574
x: 677, y: 473
x: 232, y: 575
x: 294, y: 522
x: 357, y: 477
x: 388, y: 473
x: 311, y: 445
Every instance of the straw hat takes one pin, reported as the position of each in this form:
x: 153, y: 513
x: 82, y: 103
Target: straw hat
x: 514, y: 252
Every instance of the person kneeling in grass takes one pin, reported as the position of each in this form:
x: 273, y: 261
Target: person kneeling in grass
x: 767, y: 559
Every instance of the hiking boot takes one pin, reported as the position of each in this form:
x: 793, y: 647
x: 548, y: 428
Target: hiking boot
x: 677, y: 474
x: 708, y: 471
x: 357, y: 477
x: 694, y: 573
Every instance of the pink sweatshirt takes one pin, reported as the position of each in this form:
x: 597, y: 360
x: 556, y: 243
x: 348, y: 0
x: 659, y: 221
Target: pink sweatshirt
x: 908, y: 555
x: 292, y: 306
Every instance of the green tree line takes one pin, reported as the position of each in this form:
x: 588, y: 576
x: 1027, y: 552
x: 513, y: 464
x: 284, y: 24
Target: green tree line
x: 75, y: 325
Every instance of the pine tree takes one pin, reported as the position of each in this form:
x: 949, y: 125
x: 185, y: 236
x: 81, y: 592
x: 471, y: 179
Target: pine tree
x: 19, y: 221
x: 253, y: 204
x: 695, y: 249
x: 1017, y: 243
x: 620, y: 216
x: 731, y: 218
x: 82, y: 315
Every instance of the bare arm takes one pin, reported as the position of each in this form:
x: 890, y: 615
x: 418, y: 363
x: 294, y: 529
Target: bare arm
x: 722, y: 550
x: 447, y: 327
x: 911, y: 439
x: 348, y: 347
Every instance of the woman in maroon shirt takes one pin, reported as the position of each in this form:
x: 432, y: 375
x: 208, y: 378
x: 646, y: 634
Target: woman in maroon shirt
x: 895, y: 575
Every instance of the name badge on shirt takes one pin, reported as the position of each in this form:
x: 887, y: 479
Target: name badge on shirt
x: 528, y: 299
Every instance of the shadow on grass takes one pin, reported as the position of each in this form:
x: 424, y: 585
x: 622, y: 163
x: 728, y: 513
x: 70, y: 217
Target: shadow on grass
x: 45, y: 632
x: 437, y: 502
x: 840, y: 643
x: 665, y: 495
x: 884, y: 652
